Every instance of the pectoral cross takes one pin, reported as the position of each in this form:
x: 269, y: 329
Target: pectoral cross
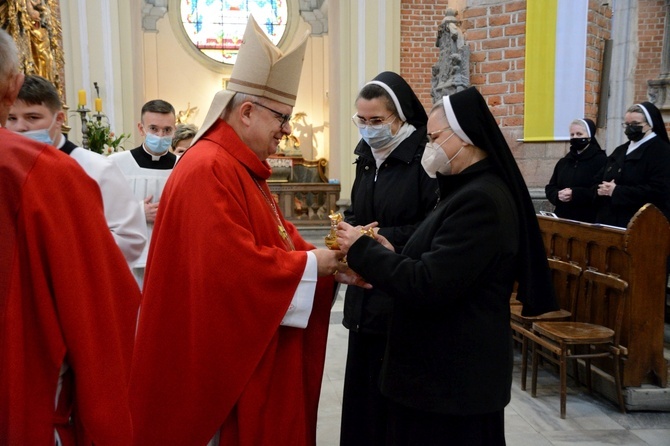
x: 282, y: 232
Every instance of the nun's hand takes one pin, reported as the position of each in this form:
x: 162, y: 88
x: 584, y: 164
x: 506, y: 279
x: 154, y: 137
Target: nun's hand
x: 606, y: 188
x: 565, y: 195
x: 347, y: 235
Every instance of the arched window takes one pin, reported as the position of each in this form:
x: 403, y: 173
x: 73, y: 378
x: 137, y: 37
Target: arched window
x: 216, y: 27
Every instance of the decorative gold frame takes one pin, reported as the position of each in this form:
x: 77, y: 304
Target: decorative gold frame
x: 36, y: 28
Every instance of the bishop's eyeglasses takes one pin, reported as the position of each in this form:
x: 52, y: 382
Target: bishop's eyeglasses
x: 284, y: 119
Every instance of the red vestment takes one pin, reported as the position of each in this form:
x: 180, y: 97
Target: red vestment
x: 66, y: 295
x: 210, y: 351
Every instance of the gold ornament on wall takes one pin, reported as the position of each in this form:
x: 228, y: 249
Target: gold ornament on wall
x: 35, y: 27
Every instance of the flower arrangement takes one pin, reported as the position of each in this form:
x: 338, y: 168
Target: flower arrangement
x: 102, y: 140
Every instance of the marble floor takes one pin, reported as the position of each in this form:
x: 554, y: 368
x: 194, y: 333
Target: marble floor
x: 591, y: 420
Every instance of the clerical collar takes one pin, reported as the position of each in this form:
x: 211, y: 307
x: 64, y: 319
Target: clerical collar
x: 153, y: 156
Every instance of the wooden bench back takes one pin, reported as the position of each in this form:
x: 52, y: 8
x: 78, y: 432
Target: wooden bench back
x: 636, y: 254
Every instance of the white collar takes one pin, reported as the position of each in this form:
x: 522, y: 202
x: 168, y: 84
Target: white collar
x: 635, y: 144
x: 154, y: 157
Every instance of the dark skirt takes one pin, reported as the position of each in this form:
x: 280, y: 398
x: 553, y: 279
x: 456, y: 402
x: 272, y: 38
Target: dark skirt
x: 371, y: 419
x: 364, y: 409
x: 413, y: 427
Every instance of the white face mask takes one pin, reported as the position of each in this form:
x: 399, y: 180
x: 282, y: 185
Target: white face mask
x: 434, y: 159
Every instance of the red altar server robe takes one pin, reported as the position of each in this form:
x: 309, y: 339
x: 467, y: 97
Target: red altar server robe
x: 210, y: 351
x: 66, y: 295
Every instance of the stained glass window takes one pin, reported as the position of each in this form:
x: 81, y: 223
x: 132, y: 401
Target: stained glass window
x: 216, y: 27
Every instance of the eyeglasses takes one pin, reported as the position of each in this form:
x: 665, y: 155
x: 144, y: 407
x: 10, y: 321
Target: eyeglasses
x: 432, y: 136
x: 631, y: 124
x: 284, y: 119
x: 375, y: 123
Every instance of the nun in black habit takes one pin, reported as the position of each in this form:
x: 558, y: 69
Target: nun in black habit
x: 570, y: 188
x: 392, y: 189
x: 638, y: 171
x: 447, y: 367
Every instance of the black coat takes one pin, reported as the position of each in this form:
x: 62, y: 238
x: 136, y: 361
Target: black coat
x: 578, y: 172
x: 399, y: 200
x: 449, y: 348
x: 641, y: 177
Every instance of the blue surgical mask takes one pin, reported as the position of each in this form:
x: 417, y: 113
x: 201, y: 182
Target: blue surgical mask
x: 41, y: 135
x: 377, y: 138
x: 157, y: 144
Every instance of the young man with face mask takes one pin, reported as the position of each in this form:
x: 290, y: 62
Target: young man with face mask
x: 38, y: 114
x: 148, y: 166
x: 638, y: 171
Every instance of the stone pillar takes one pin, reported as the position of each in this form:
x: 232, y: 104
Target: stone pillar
x: 622, y: 79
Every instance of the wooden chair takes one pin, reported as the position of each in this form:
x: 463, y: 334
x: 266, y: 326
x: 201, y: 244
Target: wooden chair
x: 596, y: 337
x: 565, y: 276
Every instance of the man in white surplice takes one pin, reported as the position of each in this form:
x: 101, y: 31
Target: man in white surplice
x: 148, y: 166
x: 38, y: 114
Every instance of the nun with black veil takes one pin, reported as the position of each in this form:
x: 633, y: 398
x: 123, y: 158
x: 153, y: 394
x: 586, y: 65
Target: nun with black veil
x: 638, y: 171
x: 392, y: 190
x: 570, y: 188
x: 447, y: 368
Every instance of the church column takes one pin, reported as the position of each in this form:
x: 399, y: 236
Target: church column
x: 365, y: 40
x: 93, y: 35
x: 622, y: 79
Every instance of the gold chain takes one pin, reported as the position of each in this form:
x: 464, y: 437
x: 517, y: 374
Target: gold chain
x: 280, y: 226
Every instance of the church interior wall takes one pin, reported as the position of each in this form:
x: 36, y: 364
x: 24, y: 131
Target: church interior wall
x: 106, y: 42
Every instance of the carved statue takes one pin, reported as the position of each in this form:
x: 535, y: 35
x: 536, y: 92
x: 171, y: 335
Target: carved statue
x: 40, y: 46
x: 291, y: 143
x: 184, y: 115
x: 35, y: 27
x: 451, y: 73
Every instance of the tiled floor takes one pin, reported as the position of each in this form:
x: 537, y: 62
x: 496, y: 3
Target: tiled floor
x: 529, y: 421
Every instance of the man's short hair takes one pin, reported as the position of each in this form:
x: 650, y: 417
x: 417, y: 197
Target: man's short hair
x: 9, y: 55
x: 158, y: 106
x: 38, y: 91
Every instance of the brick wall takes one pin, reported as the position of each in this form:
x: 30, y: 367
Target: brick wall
x: 651, y: 20
x: 419, y: 21
x: 496, y: 36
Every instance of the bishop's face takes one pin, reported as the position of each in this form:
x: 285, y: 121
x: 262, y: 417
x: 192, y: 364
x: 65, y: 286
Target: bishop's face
x: 269, y: 123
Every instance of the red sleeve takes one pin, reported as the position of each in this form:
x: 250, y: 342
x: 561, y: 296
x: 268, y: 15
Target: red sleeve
x: 94, y: 295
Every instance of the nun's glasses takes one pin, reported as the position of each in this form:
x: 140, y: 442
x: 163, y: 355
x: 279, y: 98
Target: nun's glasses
x: 432, y: 136
x: 375, y: 123
x: 632, y: 124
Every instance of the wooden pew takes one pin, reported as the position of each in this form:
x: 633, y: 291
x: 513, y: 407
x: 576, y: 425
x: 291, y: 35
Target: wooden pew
x: 638, y: 255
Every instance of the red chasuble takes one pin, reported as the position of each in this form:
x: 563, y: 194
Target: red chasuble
x: 66, y: 294
x: 210, y: 351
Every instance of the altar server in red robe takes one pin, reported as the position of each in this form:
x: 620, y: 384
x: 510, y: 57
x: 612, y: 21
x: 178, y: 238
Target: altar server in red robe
x: 68, y: 302
x: 230, y: 350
